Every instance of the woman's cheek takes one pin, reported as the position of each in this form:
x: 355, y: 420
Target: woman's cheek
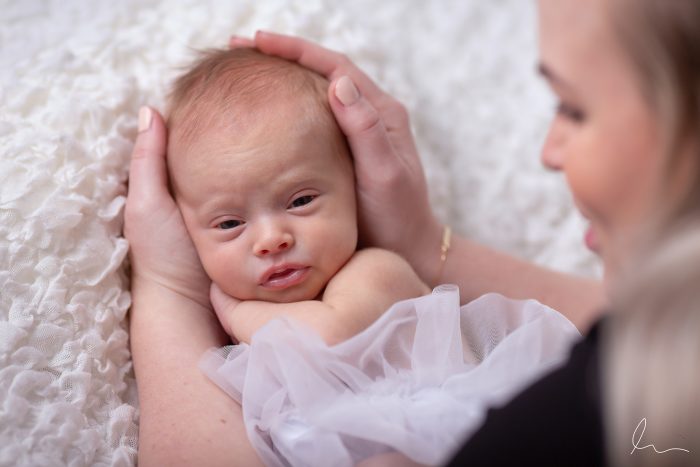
x: 586, y: 182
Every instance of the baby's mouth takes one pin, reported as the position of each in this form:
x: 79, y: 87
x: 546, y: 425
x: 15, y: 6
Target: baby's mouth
x: 280, y: 274
x: 285, y: 276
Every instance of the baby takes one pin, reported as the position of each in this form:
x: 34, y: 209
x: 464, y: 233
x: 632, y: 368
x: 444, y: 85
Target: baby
x: 265, y: 183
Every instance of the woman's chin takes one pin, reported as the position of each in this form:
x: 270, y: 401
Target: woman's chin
x: 615, y: 270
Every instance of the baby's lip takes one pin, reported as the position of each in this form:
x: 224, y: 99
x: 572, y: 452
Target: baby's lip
x: 284, y: 275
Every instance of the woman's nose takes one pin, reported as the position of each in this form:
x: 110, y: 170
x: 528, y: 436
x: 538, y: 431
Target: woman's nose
x: 552, y: 155
x: 273, y: 240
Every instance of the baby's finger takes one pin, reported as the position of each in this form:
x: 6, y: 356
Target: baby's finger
x: 223, y: 306
x: 220, y: 300
x: 326, y: 62
x: 148, y: 178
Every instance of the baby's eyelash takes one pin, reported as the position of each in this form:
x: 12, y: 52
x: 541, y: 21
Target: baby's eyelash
x: 229, y: 224
x: 302, y: 201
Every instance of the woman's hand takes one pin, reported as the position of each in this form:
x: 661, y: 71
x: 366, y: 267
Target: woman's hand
x: 161, y: 251
x: 184, y: 418
x: 394, y: 210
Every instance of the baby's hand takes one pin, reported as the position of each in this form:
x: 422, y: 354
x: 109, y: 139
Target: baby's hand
x: 224, y: 306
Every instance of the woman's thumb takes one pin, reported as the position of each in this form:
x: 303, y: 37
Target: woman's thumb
x: 359, y: 121
x: 147, y: 172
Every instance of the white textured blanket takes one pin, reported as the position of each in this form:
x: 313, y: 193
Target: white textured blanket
x: 72, y: 76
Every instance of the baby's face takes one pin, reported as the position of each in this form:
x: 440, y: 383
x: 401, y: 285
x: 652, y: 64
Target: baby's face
x: 273, y: 214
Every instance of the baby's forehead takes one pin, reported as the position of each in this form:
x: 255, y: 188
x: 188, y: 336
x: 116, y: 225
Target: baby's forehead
x: 265, y: 136
x: 247, y: 124
x: 249, y: 116
x: 223, y: 170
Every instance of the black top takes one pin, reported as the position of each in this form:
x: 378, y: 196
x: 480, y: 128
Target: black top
x: 555, y: 421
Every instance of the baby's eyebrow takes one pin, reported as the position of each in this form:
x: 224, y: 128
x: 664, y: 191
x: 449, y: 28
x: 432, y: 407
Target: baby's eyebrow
x: 285, y: 185
x: 213, y: 207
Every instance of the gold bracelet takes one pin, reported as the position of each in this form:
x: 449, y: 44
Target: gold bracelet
x: 444, y: 248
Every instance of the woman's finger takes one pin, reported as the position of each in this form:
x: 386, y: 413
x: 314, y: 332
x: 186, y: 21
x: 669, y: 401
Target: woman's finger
x: 235, y: 42
x: 147, y: 172
x: 326, y: 62
x: 361, y: 123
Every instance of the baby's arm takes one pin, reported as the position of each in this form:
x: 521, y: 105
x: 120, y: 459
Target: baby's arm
x: 370, y: 282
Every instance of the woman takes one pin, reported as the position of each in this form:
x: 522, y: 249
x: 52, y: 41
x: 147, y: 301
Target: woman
x: 625, y: 136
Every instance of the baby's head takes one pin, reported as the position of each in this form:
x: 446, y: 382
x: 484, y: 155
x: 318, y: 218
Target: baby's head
x: 262, y: 175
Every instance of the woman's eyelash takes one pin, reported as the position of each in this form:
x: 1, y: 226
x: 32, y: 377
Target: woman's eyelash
x: 570, y: 112
x: 302, y: 201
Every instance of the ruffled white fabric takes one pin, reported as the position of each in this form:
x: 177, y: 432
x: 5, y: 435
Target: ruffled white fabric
x: 417, y: 381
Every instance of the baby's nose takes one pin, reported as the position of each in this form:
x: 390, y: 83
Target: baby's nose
x: 274, y: 243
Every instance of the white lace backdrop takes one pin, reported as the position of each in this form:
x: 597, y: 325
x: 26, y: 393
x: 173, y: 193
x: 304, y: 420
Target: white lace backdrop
x: 72, y: 76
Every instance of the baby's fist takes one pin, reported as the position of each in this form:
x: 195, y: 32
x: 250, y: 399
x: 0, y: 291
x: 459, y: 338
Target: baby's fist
x: 224, y: 306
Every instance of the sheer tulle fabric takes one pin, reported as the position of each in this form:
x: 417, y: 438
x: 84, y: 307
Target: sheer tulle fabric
x: 418, y: 381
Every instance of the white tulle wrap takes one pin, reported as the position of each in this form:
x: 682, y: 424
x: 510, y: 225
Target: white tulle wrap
x: 418, y: 381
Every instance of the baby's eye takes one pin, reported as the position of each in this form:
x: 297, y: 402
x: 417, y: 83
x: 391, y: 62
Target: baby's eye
x: 229, y: 224
x: 302, y: 201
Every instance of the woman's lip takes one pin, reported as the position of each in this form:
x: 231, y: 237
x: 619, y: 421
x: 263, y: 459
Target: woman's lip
x: 284, y: 277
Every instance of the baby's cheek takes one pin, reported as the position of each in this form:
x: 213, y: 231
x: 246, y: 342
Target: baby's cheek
x: 216, y: 267
x: 231, y: 275
x: 344, y: 244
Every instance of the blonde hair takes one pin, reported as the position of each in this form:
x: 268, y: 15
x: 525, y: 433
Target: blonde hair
x: 662, y: 40
x: 651, y: 346
x: 651, y: 342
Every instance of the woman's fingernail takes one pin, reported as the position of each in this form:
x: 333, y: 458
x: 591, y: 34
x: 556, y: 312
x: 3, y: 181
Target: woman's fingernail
x: 145, y: 118
x: 346, y: 91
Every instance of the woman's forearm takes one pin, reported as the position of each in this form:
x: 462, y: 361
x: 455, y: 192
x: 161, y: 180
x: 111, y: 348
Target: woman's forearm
x: 184, y: 418
x: 478, y: 269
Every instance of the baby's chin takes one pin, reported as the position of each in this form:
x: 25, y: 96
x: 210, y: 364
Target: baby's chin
x: 289, y: 295
x: 294, y: 294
